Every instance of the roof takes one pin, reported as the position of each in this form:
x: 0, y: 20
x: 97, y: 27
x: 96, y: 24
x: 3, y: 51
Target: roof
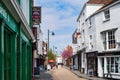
x: 102, y: 8
x: 112, y: 1
x: 104, y: 2
x: 99, y: 1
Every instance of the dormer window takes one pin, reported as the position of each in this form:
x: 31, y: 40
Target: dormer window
x: 107, y: 14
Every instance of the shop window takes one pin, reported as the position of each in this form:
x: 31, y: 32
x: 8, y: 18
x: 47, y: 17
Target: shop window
x: 108, y: 64
x: 113, y: 64
x: 102, y: 63
x: 18, y: 57
x: 23, y: 59
x: 117, y: 65
x: 7, y: 55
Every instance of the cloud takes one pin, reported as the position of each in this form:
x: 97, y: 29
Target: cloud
x: 62, y: 41
x: 59, y: 16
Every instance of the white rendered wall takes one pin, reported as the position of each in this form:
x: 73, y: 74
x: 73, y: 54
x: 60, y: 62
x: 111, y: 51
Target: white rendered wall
x: 91, y: 31
x: 74, y: 46
x: 87, y: 11
x: 91, y: 8
x: 40, y: 40
x: 82, y: 26
x: 101, y: 25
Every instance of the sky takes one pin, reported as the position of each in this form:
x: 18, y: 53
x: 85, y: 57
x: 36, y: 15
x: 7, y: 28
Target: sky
x: 60, y: 17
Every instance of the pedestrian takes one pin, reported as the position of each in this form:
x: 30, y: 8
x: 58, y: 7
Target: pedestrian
x: 70, y: 66
x: 56, y: 66
x: 74, y: 67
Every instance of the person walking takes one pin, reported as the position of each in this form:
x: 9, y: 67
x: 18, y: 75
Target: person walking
x: 56, y: 65
x: 70, y: 66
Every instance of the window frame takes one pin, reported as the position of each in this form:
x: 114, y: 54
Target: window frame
x: 106, y: 15
x: 90, y: 23
x: 109, y: 41
x: 111, y: 65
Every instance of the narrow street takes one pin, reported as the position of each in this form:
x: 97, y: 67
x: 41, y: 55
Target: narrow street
x: 62, y: 73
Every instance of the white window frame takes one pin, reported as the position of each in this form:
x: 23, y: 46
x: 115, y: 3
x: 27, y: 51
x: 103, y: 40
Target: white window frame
x: 106, y: 15
x: 109, y: 44
x: 90, y: 23
x: 90, y: 42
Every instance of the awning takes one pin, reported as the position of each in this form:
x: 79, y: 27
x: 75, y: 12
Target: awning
x: 51, y: 60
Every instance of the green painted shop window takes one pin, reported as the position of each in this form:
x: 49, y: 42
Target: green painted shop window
x: 18, y: 59
x: 7, y: 55
x: 23, y: 60
x: 28, y: 63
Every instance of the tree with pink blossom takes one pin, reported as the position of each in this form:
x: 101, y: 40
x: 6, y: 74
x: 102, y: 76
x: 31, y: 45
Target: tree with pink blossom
x: 67, y: 52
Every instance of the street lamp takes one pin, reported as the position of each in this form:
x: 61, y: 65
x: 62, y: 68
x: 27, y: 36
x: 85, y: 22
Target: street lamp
x: 52, y: 33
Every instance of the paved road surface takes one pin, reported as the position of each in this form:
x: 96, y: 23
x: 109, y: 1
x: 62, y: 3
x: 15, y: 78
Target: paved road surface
x: 45, y: 75
x: 64, y: 74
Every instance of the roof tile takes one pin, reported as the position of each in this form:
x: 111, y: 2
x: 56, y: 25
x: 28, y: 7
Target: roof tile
x: 100, y: 1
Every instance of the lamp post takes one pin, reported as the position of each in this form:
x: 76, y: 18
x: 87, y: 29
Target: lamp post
x: 46, y: 63
x: 48, y: 37
x: 48, y: 40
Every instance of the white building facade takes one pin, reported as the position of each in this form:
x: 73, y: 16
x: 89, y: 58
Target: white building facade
x: 107, y: 42
x: 75, y: 49
x: 40, y: 40
x: 99, y: 40
x: 83, y: 41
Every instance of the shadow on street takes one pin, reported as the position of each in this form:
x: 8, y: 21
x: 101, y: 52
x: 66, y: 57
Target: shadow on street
x: 45, y: 75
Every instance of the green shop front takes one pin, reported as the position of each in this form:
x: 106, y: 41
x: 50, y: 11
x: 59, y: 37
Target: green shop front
x: 15, y: 47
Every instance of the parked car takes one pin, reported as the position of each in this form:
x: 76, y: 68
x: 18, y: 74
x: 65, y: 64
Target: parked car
x: 36, y: 71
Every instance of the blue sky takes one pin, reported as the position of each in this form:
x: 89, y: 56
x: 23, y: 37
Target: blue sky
x: 60, y: 17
